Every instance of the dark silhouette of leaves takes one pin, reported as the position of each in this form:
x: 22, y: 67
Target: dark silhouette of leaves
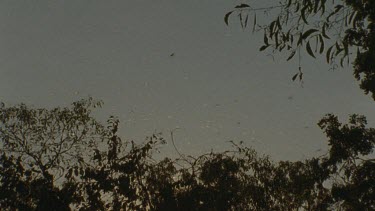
x: 349, y: 23
x: 120, y: 175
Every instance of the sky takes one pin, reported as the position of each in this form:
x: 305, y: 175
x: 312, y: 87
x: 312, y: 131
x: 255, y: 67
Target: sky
x: 215, y: 88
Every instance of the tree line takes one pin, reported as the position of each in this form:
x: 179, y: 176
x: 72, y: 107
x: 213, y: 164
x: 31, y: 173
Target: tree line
x: 63, y: 159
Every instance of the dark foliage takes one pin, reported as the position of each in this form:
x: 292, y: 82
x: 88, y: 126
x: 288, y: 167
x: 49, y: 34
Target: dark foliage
x: 339, y: 29
x: 99, y: 171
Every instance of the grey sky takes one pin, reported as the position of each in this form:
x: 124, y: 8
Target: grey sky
x: 217, y: 87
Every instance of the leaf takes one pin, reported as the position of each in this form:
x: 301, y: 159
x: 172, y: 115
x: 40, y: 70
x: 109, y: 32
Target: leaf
x: 316, y: 5
x: 289, y: 3
x: 272, y: 25
x: 291, y: 55
x: 330, y: 15
x: 242, y: 6
x: 338, y: 49
x: 263, y: 47
x: 357, y: 19
x: 297, y: 7
x: 241, y: 21
x: 328, y: 55
x: 321, y: 50
x: 287, y: 19
x: 288, y: 35
x: 338, y: 8
x: 226, y: 17
x: 282, y: 47
x: 342, y: 61
x: 352, y: 16
x: 303, y: 15
x: 309, y: 50
x: 323, y: 7
x: 265, y: 39
x: 299, y: 42
x: 246, y: 19
x: 278, y: 23
x: 324, y: 32
x: 308, y: 33
x: 277, y: 39
x: 295, y: 76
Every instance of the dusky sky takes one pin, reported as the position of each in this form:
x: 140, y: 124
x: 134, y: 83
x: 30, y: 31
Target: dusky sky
x: 216, y: 87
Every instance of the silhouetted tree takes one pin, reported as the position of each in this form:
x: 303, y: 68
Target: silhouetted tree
x: 106, y: 173
x: 38, y: 146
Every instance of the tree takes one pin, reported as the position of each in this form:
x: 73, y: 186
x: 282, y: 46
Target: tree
x: 106, y: 173
x: 39, y: 146
x: 350, y: 160
x: 340, y: 29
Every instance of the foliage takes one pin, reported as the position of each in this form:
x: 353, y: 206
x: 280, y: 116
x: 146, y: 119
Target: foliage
x: 49, y: 140
x: 103, y: 172
x: 339, y: 29
x: 39, y: 145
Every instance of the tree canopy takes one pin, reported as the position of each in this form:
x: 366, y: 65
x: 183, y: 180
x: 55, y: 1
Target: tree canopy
x: 62, y: 159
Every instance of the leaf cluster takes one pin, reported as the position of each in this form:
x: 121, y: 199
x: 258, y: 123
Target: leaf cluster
x: 338, y: 29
